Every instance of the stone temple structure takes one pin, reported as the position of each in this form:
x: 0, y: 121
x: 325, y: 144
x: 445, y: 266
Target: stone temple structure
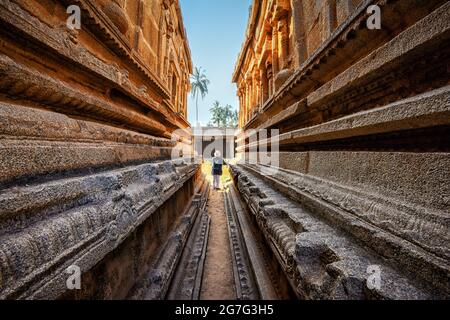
x: 361, y: 182
x: 97, y: 177
x: 87, y: 177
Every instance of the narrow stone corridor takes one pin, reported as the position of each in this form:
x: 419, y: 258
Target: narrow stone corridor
x: 218, y: 283
x: 223, y: 258
x: 332, y: 118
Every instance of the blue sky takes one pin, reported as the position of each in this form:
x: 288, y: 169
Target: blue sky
x: 215, y: 30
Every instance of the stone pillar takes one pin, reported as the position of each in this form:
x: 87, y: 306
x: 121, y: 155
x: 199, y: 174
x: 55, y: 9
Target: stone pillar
x: 300, y: 49
x: 169, y: 82
x: 258, y: 94
x: 275, y: 68
x: 241, y: 120
x: 264, y: 84
x: 138, y: 29
x: 283, y: 38
x: 168, y: 53
x: 250, y: 97
x: 257, y: 84
x: 270, y: 79
x: 330, y: 19
x: 241, y: 106
x: 186, y: 96
x: 246, y: 102
x: 344, y: 8
x: 282, y: 73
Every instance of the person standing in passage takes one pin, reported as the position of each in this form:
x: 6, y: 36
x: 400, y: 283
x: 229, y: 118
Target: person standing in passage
x: 217, y: 163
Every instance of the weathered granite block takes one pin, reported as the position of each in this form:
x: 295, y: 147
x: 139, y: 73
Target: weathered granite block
x: 87, y: 176
x: 363, y: 153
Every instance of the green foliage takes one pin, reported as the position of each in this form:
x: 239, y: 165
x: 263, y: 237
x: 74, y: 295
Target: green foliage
x: 223, y: 116
x: 199, y: 84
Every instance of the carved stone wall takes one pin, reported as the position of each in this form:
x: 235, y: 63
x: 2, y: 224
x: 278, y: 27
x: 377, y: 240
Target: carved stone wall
x: 363, y: 119
x: 86, y: 123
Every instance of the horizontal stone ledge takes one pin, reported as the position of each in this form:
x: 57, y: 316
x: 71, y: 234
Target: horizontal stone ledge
x: 19, y: 204
x: 22, y: 81
x: 321, y: 256
x: 425, y: 34
x: 191, y: 265
x: 38, y: 144
x: 422, y: 111
x: 346, y: 41
x: 46, y: 228
x: 59, y: 41
x: 253, y: 271
x: 30, y: 122
x: 385, y: 225
x: 177, y: 271
x: 33, y: 161
x: 409, y: 47
x: 419, y: 179
x: 101, y: 26
x: 245, y: 281
x: 167, y: 267
x: 323, y: 53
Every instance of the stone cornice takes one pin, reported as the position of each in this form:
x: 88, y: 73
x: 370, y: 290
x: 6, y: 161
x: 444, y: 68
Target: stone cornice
x: 60, y: 42
x: 299, y: 85
x: 57, y: 145
x: 184, y: 36
x: 325, y: 51
x: 422, y: 111
x: 99, y: 24
x: 376, y: 69
x: 255, y: 9
x: 61, y: 96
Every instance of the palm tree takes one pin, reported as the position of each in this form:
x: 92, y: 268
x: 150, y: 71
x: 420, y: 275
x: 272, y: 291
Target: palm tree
x: 228, y: 115
x: 234, y: 119
x: 217, y: 113
x: 199, y: 84
x: 223, y: 116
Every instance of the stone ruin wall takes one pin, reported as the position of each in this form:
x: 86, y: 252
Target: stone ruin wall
x: 363, y: 177
x: 86, y: 119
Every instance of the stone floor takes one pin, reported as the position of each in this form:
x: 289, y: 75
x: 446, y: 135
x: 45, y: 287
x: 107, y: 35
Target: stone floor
x: 218, y: 282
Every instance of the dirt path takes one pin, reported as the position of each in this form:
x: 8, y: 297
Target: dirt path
x: 218, y: 281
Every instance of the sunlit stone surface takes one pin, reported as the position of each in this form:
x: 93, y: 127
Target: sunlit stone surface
x: 86, y: 118
x: 95, y: 154
x: 363, y: 177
